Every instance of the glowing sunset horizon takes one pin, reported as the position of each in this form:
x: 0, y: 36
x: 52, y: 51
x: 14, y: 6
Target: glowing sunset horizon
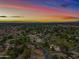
x: 39, y: 11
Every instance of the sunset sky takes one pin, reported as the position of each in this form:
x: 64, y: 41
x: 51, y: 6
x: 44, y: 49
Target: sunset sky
x: 41, y: 10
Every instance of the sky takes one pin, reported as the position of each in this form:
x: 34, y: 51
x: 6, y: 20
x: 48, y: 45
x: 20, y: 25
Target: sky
x: 41, y: 9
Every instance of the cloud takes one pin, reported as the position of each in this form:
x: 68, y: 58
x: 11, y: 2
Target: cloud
x: 3, y: 16
x: 41, y: 9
